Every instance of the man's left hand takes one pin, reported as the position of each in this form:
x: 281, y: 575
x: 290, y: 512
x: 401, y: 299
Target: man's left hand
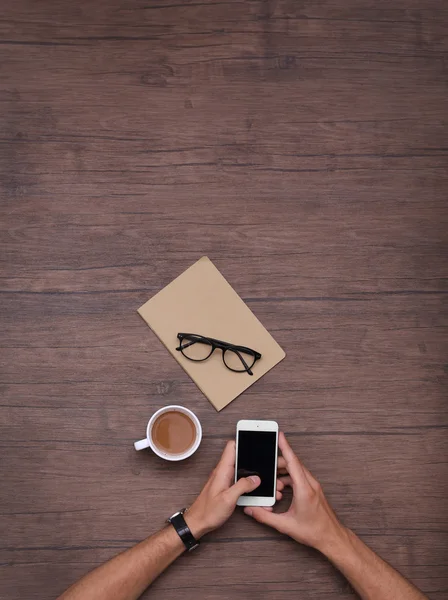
x: 217, y: 501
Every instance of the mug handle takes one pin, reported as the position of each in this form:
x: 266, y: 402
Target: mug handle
x: 141, y: 444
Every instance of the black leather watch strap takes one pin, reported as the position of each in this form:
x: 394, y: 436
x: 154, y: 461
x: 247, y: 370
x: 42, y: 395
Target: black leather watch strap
x: 179, y: 524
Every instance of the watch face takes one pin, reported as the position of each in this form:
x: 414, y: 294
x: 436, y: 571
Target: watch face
x: 179, y: 512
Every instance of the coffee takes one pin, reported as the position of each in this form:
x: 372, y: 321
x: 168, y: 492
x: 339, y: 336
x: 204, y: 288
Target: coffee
x: 173, y: 432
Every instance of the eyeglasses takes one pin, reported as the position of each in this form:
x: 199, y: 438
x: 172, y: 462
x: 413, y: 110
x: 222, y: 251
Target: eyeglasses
x: 198, y: 348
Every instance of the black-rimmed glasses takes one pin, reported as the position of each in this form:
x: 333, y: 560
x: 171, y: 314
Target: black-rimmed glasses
x: 239, y: 359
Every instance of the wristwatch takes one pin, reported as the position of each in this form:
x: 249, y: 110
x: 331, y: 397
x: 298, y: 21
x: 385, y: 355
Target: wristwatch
x: 178, y: 522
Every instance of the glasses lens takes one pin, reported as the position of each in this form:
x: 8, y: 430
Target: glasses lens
x: 232, y: 360
x: 196, y: 348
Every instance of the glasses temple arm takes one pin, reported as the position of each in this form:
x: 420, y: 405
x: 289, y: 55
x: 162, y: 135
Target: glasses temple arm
x: 246, y: 366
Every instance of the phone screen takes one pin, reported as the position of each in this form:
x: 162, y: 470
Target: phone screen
x: 256, y: 456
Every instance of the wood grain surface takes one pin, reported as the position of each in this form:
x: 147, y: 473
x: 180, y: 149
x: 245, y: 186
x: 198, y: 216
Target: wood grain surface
x: 302, y: 147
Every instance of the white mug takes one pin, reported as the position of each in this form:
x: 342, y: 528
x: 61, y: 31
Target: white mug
x: 148, y: 443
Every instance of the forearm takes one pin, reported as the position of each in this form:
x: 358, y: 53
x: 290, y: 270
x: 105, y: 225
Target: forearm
x: 126, y: 576
x: 370, y: 576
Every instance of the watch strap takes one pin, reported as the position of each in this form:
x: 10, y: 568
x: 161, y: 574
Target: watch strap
x: 180, y: 525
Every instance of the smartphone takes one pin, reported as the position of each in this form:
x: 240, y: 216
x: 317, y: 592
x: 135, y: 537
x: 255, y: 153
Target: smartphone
x: 256, y: 454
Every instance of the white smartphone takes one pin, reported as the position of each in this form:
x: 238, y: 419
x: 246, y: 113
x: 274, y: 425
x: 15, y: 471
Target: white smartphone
x: 256, y: 454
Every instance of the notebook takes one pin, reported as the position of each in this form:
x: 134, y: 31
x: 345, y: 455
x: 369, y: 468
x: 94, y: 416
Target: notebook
x: 201, y: 301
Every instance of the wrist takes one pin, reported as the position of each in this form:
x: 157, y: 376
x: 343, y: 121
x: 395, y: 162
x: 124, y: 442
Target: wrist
x: 196, y: 524
x: 336, y: 543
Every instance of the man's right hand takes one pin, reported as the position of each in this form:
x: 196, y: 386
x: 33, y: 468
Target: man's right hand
x: 310, y: 519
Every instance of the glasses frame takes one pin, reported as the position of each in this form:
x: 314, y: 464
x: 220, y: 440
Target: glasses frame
x: 214, y: 344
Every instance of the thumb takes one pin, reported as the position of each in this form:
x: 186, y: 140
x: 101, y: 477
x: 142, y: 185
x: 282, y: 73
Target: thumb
x: 243, y: 486
x: 264, y: 516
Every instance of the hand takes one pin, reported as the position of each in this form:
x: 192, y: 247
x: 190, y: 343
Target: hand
x: 310, y: 519
x: 217, y: 501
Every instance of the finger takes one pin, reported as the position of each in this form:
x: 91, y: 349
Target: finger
x: 281, y: 463
x: 243, y: 486
x: 281, y: 466
x: 293, y: 464
x: 268, y: 508
x: 263, y: 516
x: 228, y: 455
x: 278, y: 496
x: 280, y: 485
x: 224, y: 471
x: 285, y: 481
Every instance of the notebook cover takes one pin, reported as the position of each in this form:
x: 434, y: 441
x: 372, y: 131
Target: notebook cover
x: 201, y: 301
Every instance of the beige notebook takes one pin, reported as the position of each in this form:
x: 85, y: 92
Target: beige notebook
x: 201, y: 301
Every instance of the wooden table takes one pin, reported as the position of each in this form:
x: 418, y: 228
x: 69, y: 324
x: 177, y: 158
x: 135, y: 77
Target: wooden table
x: 302, y: 147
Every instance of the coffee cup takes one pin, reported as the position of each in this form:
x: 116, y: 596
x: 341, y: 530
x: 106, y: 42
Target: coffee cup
x: 173, y: 433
